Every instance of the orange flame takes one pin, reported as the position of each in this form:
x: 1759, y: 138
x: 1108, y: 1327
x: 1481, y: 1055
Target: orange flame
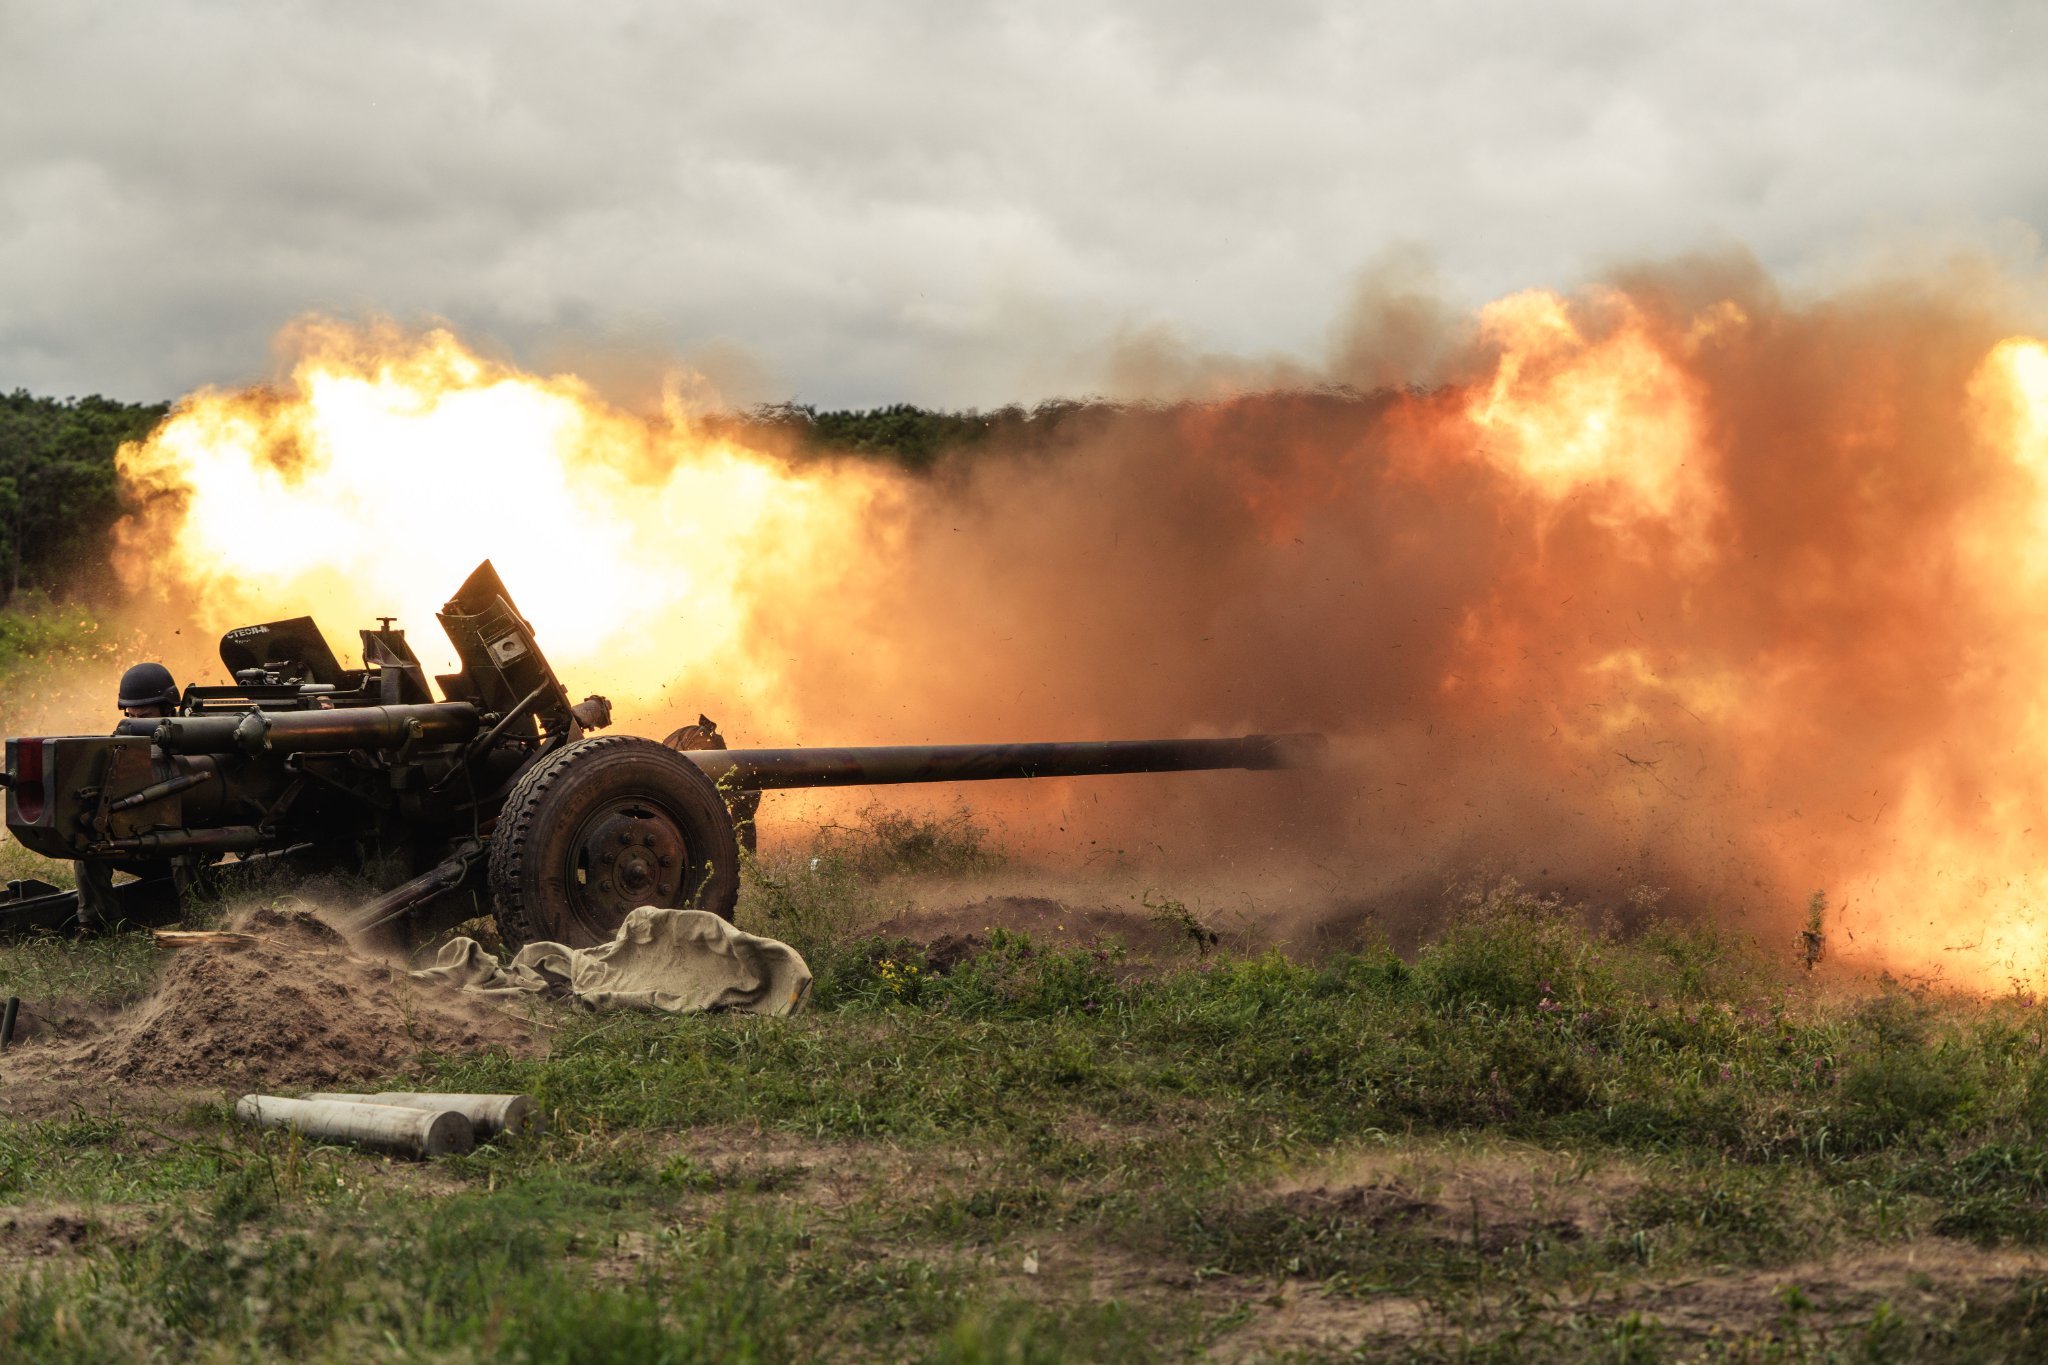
x: 390, y: 466
x: 1566, y: 414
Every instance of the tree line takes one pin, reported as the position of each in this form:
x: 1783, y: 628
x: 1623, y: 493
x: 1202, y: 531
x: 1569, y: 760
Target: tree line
x: 59, y: 499
x: 916, y: 437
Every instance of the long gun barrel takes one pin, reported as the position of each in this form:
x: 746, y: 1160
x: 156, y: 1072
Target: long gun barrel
x: 767, y: 769
x: 285, y: 732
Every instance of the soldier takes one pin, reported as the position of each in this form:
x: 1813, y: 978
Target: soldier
x: 147, y: 690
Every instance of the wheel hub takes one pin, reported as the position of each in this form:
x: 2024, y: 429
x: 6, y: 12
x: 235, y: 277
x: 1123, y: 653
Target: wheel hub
x: 628, y: 856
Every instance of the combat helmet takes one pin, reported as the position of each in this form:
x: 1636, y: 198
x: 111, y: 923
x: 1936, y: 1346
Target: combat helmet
x: 148, y: 685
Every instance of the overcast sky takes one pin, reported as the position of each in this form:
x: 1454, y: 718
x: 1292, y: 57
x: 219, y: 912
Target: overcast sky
x: 942, y: 202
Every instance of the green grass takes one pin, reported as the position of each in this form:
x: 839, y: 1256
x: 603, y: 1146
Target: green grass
x: 17, y: 862
x: 93, y: 972
x: 1520, y: 1139
x: 485, y: 1273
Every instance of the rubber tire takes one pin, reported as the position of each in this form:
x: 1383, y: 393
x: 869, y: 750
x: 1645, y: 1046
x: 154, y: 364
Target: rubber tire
x: 533, y: 844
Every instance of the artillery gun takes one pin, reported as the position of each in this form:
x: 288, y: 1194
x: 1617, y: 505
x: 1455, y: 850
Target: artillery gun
x: 496, y: 799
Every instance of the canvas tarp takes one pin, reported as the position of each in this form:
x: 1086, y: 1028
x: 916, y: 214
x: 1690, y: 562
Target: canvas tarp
x: 677, y: 960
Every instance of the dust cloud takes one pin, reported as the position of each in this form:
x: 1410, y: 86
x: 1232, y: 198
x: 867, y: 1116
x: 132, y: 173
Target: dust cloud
x: 1673, y: 582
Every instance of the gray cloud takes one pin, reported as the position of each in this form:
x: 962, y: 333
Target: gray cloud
x: 941, y: 203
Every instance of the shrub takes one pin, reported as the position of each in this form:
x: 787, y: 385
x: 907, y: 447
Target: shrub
x: 884, y: 843
x: 1508, y: 948
x: 1893, y: 1094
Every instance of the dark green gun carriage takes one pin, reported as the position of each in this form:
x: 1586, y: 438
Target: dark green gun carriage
x: 498, y: 798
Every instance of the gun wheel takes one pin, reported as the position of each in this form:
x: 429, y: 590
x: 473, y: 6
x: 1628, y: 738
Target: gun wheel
x: 601, y: 827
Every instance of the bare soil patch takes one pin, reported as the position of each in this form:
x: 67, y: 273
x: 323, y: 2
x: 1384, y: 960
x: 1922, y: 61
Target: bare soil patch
x: 1840, y: 1291
x: 298, y: 1008
x: 1484, y: 1199
x: 819, y: 1174
x: 1815, y: 1299
x: 1301, y: 1318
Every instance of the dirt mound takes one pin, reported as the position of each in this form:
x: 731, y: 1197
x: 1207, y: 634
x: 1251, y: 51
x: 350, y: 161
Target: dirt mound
x: 948, y: 951
x: 960, y: 930
x: 295, y: 1008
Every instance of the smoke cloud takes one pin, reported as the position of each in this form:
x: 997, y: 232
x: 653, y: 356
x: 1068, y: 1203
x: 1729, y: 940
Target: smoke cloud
x: 1675, y: 583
